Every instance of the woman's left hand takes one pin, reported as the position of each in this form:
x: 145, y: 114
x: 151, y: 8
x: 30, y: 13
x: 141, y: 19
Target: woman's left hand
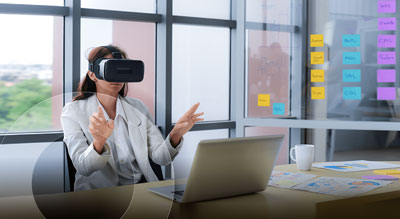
x: 184, y: 124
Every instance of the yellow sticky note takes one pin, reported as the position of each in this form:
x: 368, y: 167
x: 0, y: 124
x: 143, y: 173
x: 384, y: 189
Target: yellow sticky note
x: 317, y: 58
x: 318, y: 93
x: 317, y: 75
x: 387, y: 172
x: 317, y: 40
x: 264, y: 100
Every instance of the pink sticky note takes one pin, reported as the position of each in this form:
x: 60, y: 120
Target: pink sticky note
x: 387, y: 23
x: 386, y: 75
x: 386, y: 93
x: 380, y: 177
x: 386, y: 58
x: 386, y: 41
x: 387, y: 6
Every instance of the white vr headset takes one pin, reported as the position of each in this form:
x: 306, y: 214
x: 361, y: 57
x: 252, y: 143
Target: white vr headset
x: 117, y: 69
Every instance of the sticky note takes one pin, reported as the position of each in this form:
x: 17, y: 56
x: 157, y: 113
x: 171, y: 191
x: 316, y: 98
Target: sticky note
x: 278, y: 109
x: 386, y: 93
x: 264, y: 100
x: 351, y: 58
x: 317, y: 40
x: 386, y: 58
x: 386, y: 41
x: 318, y: 93
x: 386, y: 75
x: 351, y: 75
x: 317, y: 58
x: 317, y: 75
x: 351, y: 40
x: 387, y: 6
x: 387, y: 23
x: 352, y: 93
x: 380, y: 177
x: 387, y: 172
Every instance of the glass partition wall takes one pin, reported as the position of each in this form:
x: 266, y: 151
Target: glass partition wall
x: 356, y: 79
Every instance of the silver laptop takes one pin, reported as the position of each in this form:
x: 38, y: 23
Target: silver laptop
x: 227, y: 167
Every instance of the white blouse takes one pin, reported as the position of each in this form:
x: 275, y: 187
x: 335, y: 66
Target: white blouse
x: 121, y: 147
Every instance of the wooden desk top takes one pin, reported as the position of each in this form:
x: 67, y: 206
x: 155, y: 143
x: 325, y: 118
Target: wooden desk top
x: 136, y: 201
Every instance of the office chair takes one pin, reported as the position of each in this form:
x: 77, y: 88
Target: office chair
x: 71, y: 171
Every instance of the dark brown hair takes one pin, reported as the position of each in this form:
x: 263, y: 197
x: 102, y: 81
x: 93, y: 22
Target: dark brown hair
x: 87, y: 87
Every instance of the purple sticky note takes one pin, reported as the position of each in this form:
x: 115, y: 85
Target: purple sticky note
x: 386, y: 75
x: 380, y: 177
x: 386, y: 93
x: 387, y: 23
x: 387, y: 6
x: 386, y: 58
x: 386, y: 41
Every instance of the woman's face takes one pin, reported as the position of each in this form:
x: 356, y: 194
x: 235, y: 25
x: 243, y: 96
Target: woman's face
x: 102, y: 86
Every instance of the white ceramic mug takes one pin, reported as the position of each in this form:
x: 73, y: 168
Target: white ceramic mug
x: 304, y: 156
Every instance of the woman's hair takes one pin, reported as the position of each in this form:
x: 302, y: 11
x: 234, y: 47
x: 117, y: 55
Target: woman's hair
x: 87, y: 87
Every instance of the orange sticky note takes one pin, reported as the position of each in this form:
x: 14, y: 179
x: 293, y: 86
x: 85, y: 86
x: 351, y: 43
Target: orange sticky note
x: 318, y: 93
x: 317, y: 40
x: 317, y: 75
x: 317, y: 58
x: 264, y: 100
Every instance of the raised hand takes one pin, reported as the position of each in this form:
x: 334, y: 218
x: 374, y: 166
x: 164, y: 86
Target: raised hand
x: 185, y: 123
x: 100, y: 129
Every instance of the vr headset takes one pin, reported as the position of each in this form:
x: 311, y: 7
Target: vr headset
x: 117, y: 69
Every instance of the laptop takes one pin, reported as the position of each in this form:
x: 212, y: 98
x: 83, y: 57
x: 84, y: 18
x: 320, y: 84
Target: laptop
x: 225, y: 168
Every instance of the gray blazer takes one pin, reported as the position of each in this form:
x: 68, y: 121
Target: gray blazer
x: 99, y: 170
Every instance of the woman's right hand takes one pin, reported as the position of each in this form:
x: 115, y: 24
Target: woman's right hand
x: 100, y: 129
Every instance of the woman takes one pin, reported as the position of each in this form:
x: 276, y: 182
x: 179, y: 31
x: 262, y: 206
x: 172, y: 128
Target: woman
x: 111, y: 137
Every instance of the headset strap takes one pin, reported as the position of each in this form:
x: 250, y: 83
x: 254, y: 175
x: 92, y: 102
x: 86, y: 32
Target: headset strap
x: 114, y: 51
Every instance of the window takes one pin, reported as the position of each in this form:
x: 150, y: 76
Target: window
x: 268, y: 68
x: 31, y: 72
x: 146, y: 6
x: 136, y: 38
x: 268, y: 58
x: 206, y: 8
x: 200, y: 71
x: 270, y: 11
x: 34, y: 2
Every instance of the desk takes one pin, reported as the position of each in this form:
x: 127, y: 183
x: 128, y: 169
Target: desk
x: 113, y: 202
